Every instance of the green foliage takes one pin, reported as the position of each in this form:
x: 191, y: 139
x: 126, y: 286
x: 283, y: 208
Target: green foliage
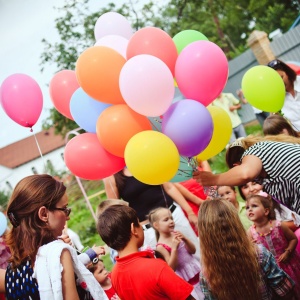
x: 4, y: 197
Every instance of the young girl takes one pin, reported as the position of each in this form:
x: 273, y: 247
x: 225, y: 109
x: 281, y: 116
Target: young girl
x: 103, y: 277
x: 274, y: 235
x: 231, y: 266
x: 228, y: 193
x: 177, y: 250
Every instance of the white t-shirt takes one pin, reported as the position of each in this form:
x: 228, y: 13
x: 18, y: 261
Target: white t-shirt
x: 291, y: 106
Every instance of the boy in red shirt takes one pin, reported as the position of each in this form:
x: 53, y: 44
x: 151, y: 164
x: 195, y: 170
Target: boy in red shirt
x: 137, y: 275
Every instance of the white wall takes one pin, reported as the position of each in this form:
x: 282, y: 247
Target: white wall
x: 13, y: 176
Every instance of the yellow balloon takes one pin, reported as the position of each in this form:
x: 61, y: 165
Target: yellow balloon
x: 152, y: 157
x: 221, y: 134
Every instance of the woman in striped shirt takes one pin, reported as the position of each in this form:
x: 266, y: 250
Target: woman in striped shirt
x: 273, y: 161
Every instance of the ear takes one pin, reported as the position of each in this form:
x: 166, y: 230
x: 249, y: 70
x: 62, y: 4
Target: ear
x: 133, y: 230
x: 43, y: 213
x: 154, y: 225
x: 267, y: 211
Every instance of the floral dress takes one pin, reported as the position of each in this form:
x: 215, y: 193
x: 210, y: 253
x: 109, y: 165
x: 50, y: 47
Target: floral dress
x: 276, y: 243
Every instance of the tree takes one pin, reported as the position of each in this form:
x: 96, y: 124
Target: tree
x: 226, y: 23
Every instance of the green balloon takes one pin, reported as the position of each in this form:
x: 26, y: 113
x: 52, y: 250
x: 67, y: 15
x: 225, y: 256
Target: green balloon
x: 186, y: 37
x: 264, y: 88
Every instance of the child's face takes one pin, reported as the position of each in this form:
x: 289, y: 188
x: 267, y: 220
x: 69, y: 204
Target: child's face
x: 255, y: 210
x: 227, y: 193
x: 100, y: 273
x: 251, y: 188
x: 165, y: 222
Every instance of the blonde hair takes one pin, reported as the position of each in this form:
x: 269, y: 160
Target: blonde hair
x: 228, y: 257
x: 153, y: 217
x: 109, y: 202
x: 236, y: 149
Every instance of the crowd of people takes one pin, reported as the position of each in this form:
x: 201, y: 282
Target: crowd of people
x: 171, y: 241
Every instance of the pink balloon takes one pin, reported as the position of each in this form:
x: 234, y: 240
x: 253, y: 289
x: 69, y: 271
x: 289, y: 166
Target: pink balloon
x: 112, y: 23
x: 116, y: 42
x: 201, y: 71
x: 22, y: 99
x: 147, y: 85
x: 86, y: 158
x: 61, y: 88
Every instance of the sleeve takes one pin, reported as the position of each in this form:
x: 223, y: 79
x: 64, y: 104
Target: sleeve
x: 173, y: 285
x: 276, y: 279
x: 205, y: 289
x: 232, y: 99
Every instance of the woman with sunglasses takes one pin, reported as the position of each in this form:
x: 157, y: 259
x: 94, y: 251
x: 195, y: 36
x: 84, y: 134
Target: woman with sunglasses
x: 41, y: 265
x: 291, y: 106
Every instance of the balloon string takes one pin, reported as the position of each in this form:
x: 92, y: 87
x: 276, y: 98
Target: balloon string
x: 39, y: 150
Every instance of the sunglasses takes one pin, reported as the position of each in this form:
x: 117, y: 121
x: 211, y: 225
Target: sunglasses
x: 274, y: 63
x: 66, y: 210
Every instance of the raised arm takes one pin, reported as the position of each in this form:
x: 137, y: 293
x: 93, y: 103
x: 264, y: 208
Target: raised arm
x: 111, y: 187
x: 250, y: 168
x: 188, y: 195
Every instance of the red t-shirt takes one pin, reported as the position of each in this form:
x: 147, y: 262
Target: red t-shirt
x: 141, y: 276
x: 110, y: 293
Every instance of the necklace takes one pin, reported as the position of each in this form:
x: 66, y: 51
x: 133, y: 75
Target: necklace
x: 264, y: 234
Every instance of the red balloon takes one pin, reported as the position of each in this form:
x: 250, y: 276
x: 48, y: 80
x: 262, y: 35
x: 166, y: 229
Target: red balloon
x: 156, y: 42
x: 61, y: 88
x: 86, y: 158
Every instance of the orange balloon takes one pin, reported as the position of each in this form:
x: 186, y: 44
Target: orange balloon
x: 116, y: 125
x: 98, y: 69
x: 61, y: 88
x: 156, y: 42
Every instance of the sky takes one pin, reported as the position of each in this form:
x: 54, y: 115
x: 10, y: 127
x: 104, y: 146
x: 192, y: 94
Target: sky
x: 23, y: 24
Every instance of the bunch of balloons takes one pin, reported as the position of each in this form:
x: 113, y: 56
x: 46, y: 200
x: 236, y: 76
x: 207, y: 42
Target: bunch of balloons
x: 127, y: 80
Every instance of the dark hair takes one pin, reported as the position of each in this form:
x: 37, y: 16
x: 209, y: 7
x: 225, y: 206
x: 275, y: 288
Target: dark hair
x: 275, y: 124
x: 234, y: 155
x: 277, y: 64
x: 114, y: 225
x: 231, y: 186
x: 29, y: 195
x: 266, y: 203
x: 92, y: 266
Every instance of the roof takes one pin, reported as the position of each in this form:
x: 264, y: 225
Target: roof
x: 26, y: 150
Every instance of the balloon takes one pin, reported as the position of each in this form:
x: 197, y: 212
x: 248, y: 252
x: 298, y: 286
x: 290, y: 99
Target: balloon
x: 221, y: 134
x: 86, y: 110
x: 121, y: 123
x: 189, y: 125
x: 264, y: 88
x: 86, y: 158
x: 115, y: 42
x: 112, y: 23
x: 3, y: 223
x: 22, y: 99
x: 201, y: 71
x: 151, y: 157
x: 186, y: 37
x: 184, y: 172
x: 61, y: 88
x: 147, y: 85
x: 98, y: 70
x: 156, y: 42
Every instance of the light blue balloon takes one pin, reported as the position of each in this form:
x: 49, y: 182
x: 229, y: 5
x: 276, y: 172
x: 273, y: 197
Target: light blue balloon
x: 184, y: 172
x: 86, y: 110
x: 3, y: 223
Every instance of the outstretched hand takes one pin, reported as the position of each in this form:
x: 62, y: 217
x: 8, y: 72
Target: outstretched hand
x: 204, y: 178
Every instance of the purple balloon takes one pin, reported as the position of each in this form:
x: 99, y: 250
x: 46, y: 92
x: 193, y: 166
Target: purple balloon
x: 189, y: 125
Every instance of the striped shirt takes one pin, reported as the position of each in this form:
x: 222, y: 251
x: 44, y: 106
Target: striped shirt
x: 281, y: 161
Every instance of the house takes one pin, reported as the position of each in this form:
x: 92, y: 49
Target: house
x: 23, y: 158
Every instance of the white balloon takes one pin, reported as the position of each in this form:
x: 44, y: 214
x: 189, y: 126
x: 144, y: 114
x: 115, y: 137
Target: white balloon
x: 116, y: 42
x: 112, y: 23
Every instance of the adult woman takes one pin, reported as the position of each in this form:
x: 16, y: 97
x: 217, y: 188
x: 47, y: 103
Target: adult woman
x: 276, y: 124
x: 291, y: 81
x: 273, y: 160
x: 224, y: 247
x: 144, y: 197
x: 38, y: 210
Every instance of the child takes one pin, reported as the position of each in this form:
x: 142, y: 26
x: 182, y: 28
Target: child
x: 229, y: 260
x: 137, y: 274
x: 274, y: 235
x: 228, y: 193
x: 103, y: 277
x: 176, y: 248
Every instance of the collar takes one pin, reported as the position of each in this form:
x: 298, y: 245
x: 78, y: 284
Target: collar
x: 139, y: 254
